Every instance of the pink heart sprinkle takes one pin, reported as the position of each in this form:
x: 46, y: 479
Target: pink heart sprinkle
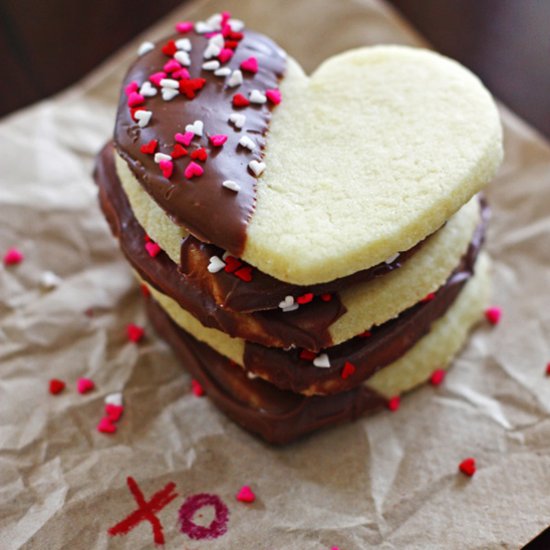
x: 250, y: 65
x: 113, y: 412
x: 84, y: 385
x: 274, y: 96
x: 172, y: 66
x: 197, y: 389
x: 226, y: 16
x: 182, y: 73
x: 493, y: 315
x: 217, y: 140
x: 106, y: 426
x: 193, y: 169
x: 13, y: 256
x: 225, y: 55
x: 184, y: 26
x: 153, y: 249
x: 167, y: 167
x: 184, y: 138
x: 132, y: 87
x: 135, y: 99
x: 246, y: 494
x: 155, y: 78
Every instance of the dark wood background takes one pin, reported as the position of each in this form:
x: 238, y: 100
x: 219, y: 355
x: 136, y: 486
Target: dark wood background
x: 46, y: 45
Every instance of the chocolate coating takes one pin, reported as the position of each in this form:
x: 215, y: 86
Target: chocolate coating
x: 202, y: 205
x: 277, y: 416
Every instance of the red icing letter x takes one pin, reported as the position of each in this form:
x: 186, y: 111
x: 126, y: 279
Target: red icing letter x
x: 146, y: 510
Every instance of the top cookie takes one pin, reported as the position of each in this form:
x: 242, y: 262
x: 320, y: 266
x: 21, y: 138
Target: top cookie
x: 369, y: 155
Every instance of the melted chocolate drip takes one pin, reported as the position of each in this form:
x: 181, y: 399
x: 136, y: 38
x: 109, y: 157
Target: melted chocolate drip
x: 202, y: 205
x: 277, y: 416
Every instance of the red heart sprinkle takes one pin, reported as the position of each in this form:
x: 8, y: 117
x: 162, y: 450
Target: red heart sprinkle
x: 134, y: 110
x: 169, y: 48
x: 393, y: 403
x: 232, y: 264
x: 153, y: 249
x: 326, y: 297
x: 135, y: 333
x: 231, y: 44
x: 348, y: 370
x: 437, y: 377
x: 113, y: 412
x: 233, y: 35
x: 13, y: 256
x: 307, y: 355
x: 493, y: 315
x: 250, y: 65
x: 149, y: 148
x: 84, y: 385
x: 428, y: 298
x: 245, y: 494
x: 145, y: 290
x: 240, y: 101
x: 365, y: 334
x: 106, y: 426
x: 548, y: 369
x: 305, y: 298
x: 189, y: 86
x: 56, y: 386
x: 199, y: 154
x: 178, y: 151
x: 244, y: 273
x: 468, y: 466
x: 197, y: 389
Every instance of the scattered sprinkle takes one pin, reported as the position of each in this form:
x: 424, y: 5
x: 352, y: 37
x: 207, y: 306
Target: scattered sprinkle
x: 135, y: 333
x: 143, y: 118
x: 305, y: 298
x: 184, y: 26
x: 131, y: 88
x: 193, y: 169
x: 348, y: 370
x: 250, y: 65
x: 172, y: 65
x: 428, y: 298
x: 247, y: 143
x: 144, y: 290
x: 56, y: 386
x: 288, y: 304
x: 215, y: 264
x: 167, y: 168
x: 236, y: 25
x: 170, y: 83
x: 159, y: 157
x: 184, y: 138
x: 256, y: 167
x: 365, y: 334
x: 184, y: 44
x: 114, y: 411
x: 245, y: 494
x: 106, y: 426
x: 197, y: 389
x: 257, y: 97
x: 274, y: 96
x: 237, y: 119
x: 437, y: 377
x: 236, y: 79
x: 13, y: 256
x: 327, y: 297
x: 225, y: 55
x: 84, y: 385
x: 240, y: 101
x: 180, y: 73
x: 169, y: 93
x: 178, y: 151
x: 217, y: 140
x: 322, y: 361
x: 49, y: 280
x: 135, y: 99
x: 468, y: 466
x: 211, y: 65
x: 113, y: 399
x: 232, y: 185
x: 199, y: 154
x: 148, y: 90
x: 548, y: 369
x: 153, y: 249
x: 493, y: 315
x: 182, y: 57
x: 169, y: 48
x: 155, y: 78
x: 307, y: 355
x: 212, y: 50
x: 196, y: 128
x: 223, y: 71
x: 231, y: 263
x: 394, y: 403
x: 201, y: 27
x: 244, y: 273
x: 145, y: 47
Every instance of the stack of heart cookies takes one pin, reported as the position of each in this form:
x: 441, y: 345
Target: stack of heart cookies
x: 311, y: 246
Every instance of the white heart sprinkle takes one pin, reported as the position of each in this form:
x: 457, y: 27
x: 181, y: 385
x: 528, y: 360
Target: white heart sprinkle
x: 182, y: 57
x: 287, y: 302
x: 257, y: 97
x: 236, y: 25
x: 114, y: 399
x: 145, y: 48
x: 147, y: 89
x: 201, y: 27
x: 217, y: 40
x: 215, y: 21
x: 322, y: 361
x: 159, y: 157
x: 256, y: 167
x: 251, y: 375
x: 236, y: 79
x: 392, y: 259
x: 211, y: 65
x: 143, y: 118
x: 183, y: 44
x: 196, y: 127
x: 247, y: 143
x: 169, y: 93
x: 233, y: 185
x: 237, y: 119
x: 215, y: 264
x: 49, y: 280
x: 224, y: 71
x: 211, y: 51
x: 170, y: 83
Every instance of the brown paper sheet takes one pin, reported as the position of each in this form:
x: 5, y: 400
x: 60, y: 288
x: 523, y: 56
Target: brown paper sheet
x: 388, y: 481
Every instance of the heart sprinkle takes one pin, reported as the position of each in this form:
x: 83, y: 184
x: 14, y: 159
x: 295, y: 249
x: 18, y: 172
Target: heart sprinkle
x: 13, y: 256
x: 153, y: 249
x: 322, y: 361
x: 244, y: 273
x: 247, y: 143
x: 148, y: 90
x: 184, y: 26
x: 184, y: 44
x: 305, y: 298
x: 172, y: 65
x: 144, y: 289
x: 256, y: 167
x: 288, y: 304
x: 327, y: 297
x: 218, y: 140
x: 106, y: 426
x: 170, y: 83
x: 181, y: 73
x: 49, y: 280
x: 250, y: 65
x: 306, y: 355
x: 236, y: 79
x: 240, y: 101
x: 135, y: 333
x: 232, y: 185
x: 257, y: 97
x: 159, y: 157
x: 184, y: 138
x: 182, y: 57
x: 178, y: 151
x: 428, y: 298
x: 114, y: 411
x: 547, y: 371
x: 145, y: 47
x: 169, y: 93
x: 231, y: 263
x: 193, y: 169
x: 212, y: 50
x: 394, y: 403
x: 348, y: 370
x: 493, y: 315
x: 130, y: 88
x: 211, y: 65
x: 196, y: 127
x: 237, y: 119
x: 56, y: 386
x: 274, y: 96
x: 167, y: 168
x: 201, y: 27
x: 197, y: 389
x: 169, y: 48
x: 155, y: 78
x: 223, y: 71
x: 135, y: 99
x: 143, y: 118
x: 190, y: 86
x: 437, y: 377
x: 245, y: 494
x: 225, y: 55
x: 84, y: 385
x: 215, y: 264
x: 468, y: 466
x: 236, y: 25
